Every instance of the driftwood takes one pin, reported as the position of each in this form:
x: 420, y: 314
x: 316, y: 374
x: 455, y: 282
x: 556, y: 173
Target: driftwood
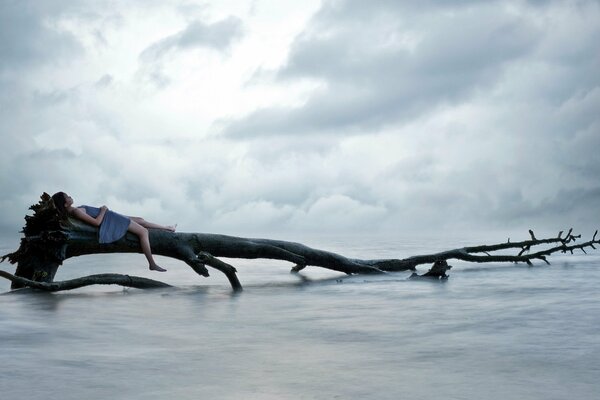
x: 437, y: 271
x: 98, y: 279
x: 49, y: 240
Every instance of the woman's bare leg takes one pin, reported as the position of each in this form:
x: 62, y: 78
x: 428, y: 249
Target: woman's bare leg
x: 151, y: 225
x: 142, y: 233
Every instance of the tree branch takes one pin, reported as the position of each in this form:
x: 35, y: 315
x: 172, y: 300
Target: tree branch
x: 470, y: 253
x: 98, y: 279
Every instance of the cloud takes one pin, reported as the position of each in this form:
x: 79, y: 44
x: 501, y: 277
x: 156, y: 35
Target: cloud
x: 328, y: 213
x: 386, y: 65
x: 492, y: 108
x: 338, y: 212
x: 217, y: 36
x: 377, y: 116
x: 104, y: 81
x: 254, y: 216
x: 28, y: 35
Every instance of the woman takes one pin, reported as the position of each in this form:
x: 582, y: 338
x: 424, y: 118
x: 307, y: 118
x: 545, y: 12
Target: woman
x: 113, y: 226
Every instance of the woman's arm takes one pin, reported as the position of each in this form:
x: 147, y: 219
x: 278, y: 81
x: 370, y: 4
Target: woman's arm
x: 82, y: 215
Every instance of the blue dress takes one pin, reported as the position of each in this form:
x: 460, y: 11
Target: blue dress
x: 113, y: 227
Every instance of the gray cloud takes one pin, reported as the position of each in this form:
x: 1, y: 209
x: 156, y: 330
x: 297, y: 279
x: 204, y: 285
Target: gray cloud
x: 566, y: 209
x: 33, y: 47
x: 385, y: 65
x: 104, y: 81
x: 27, y: 37
x: 425, y: 115
x: 217, y: 36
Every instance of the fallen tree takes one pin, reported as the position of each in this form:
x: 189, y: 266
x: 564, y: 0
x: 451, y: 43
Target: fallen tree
x: 49, y: 240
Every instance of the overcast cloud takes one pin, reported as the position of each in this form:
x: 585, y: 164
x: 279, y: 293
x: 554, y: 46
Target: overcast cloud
x: 260, y: 117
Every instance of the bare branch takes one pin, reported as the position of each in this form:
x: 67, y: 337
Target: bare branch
x: 532, y: 235
x: 569, y: 237
x: 227, y: 269
x: 526, y: 248
x: 470, y: 254
x: 99, y: 279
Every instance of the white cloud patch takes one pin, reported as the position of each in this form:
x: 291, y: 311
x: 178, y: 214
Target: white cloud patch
x: 255, y: 216
x: 217, y: 36
x: 338, y: 212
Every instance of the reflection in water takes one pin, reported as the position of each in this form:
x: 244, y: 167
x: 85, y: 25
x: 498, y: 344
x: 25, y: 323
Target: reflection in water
x: 490, y: 332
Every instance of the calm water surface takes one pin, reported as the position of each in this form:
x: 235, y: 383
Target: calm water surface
x: 492, y: 332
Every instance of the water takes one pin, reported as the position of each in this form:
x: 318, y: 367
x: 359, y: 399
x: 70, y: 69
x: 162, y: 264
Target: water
x: 493, y: 332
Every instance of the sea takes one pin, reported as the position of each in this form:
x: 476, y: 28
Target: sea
x: 490, y: 331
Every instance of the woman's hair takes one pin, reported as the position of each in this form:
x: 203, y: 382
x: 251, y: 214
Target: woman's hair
x: 59, y: 199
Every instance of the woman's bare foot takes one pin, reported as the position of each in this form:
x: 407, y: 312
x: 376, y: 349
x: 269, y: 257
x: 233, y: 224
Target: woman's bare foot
x: 171, y: 228
x: 156, y: 267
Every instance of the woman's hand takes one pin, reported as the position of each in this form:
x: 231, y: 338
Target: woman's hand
x: 82, y: 215
x: 101, y: 215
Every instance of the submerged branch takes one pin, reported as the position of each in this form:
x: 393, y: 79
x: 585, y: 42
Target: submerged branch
x: 98, y: 279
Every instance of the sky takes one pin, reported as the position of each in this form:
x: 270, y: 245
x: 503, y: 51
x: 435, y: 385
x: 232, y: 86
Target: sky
x: 328, y: 117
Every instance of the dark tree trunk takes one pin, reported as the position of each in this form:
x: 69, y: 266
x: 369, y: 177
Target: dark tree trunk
x: 49, y: 240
